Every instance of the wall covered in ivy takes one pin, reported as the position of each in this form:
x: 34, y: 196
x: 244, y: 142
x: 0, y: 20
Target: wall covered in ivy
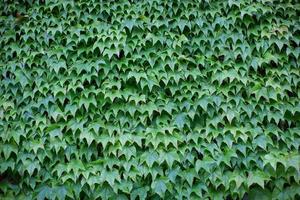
x: 150, y: 99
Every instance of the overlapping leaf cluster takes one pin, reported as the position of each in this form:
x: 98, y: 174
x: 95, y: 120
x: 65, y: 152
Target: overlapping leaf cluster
x: 150, y: 99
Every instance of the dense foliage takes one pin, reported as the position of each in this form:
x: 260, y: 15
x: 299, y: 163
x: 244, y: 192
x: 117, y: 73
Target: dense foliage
x: 150, y: 99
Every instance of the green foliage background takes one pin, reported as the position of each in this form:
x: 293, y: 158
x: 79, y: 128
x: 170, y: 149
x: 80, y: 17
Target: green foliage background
x: 150, y: 99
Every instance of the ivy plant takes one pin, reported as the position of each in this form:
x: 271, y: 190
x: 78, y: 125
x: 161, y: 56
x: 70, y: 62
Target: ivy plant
x: 150, y: 99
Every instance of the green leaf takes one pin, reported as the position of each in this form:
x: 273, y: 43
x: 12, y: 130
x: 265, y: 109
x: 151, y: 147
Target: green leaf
x: 129, y: 24
x: 159, y: 187
x: 110, y: 177
x: 150, y: 157
x: 257, y: 177
x: 171, y: 157
x: 61, y: 192
x: 230, y: 115
x: 140, y: 192
x: 45, y: 192
x: 180, y: 120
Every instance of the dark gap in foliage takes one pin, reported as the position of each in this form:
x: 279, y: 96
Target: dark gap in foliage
x: 10, y: 177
